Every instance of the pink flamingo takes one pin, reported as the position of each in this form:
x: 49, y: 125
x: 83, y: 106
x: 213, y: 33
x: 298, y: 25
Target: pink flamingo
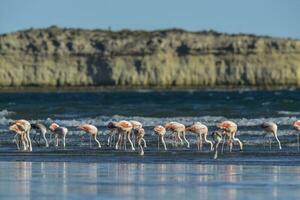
x: 177, y: 129
x: 59, y: 132
x: 201, y: 131
x: 217, y: 137
x: 139, y: 136
x: 124, y: 129
x: 113, y: 130
x: 296, y: 125
x: 135, y: 128
x: 272, y: 128
x: 160, y: 131
x: 230, y: 129
x: 92, y: 131
x: 22, y: 129
x: 19, y: 135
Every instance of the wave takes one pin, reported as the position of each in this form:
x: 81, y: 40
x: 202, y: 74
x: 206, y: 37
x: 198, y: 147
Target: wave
x: 153, y: 121
x: 249, y: 130
x: 4, y: 113
x: 288, y: 113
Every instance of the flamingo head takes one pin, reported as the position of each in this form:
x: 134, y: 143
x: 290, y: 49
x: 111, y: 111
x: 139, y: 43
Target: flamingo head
x: 111, y: 125
x: 188, y: 128
x: 13, y: 127
x: 11, y: 123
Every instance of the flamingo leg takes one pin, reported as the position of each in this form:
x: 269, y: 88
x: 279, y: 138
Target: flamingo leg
x: 125, y: 141
x: 16, y: 140
x: 117, y: 143
x: 90, y: 140
x: 224, y: 140
x: 298, y: 142
x: 29, y: 141
x: 56, y: 137
x: 23, y: 142
x: 50, y: 138
x: 216, y: 150
x: 134, y: 139
x: 209, y: 142
x: 279, y: 144
x: 157, y: 143
x: 95, y: 138
x: 184, y: 138
x: 128, y: 137
x: 240, y: 143
x: 174, y: 142
x: 45, y: 139
x: 141, y: 147
x: 230, y: 145
x: 163, y: 142
x: 230, y: 140
x: 108, y: 140
x: 64, y: 141
x: 178, y: 136
x: 144, y: 141
x: 114, y: 139
x: 201, y: 143
x: 198, y: 142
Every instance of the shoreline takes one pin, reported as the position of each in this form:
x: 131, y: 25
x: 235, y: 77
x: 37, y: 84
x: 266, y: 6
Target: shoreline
x: 142, y: 89
x: 251, y: 156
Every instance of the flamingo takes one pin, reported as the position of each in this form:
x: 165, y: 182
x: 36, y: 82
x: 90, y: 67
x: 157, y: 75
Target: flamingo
x: 296, y: 125
x: 272, y: 128
x: 217, y: 136
x: 59, y: 132
x: 139, y: 136
x: 112, y: 133
x: 201, y: 131
x: 43, y: 130
x: 230, y: 129
x: 177, y: 129
x: 92, y: 131
x: 160, y: 131
x: 124, y: 129
x: 135, y: 126
x: 19, y: 134
x: 22, y: 128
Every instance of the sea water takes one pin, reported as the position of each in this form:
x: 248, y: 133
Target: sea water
x: 79, y: 171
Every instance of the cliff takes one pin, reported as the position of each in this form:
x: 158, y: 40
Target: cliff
x: 76, y: 57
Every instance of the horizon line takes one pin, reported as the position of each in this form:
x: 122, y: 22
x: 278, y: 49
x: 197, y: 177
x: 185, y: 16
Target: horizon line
x: 151, y: 30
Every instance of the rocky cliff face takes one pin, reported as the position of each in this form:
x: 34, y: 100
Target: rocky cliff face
x: 75, y: 57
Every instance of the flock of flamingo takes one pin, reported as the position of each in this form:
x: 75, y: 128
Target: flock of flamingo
x: 132, y: 131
